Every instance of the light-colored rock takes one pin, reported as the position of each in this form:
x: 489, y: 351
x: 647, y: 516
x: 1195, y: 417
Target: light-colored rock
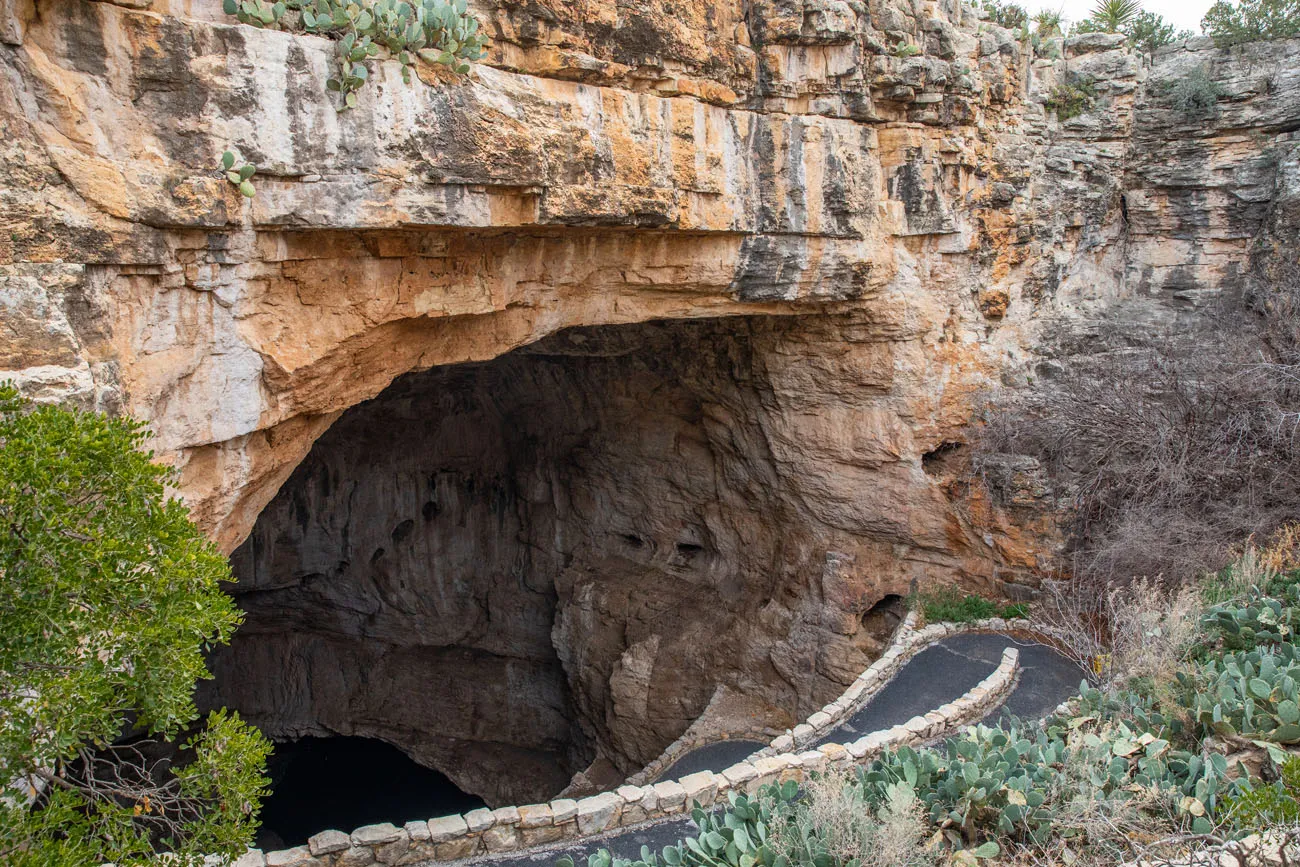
x: 480, y: 820
x: 299, y: 856
x: 918, y: 726
x: 598, y: 812
x: 394, y: 852
x: 739, y: 774
x: 536, y: 816
x: 564, y: 810
x: 814, y: 761
x: 327, y: 842
x: 874, y: 742
x: 701, y: 788
x: 505, y: 816
x: 420, y: 847
x: 355, y: 856
x: 857, y: 749
x: 446, y: 828
x: 459, y: 847
x: 672, y: 797
x: 377, y: 835
x: 502, y: 838
x: 542, y: 835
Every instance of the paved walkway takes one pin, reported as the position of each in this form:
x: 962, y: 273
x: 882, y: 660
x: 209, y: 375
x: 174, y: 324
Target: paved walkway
x: 932, y: 678
x: 711, y: 757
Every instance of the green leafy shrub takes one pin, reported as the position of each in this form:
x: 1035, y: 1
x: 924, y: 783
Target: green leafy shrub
x: 1072, y: 98
x: 950, y: 605
x: 1251, y: 20
x: 1195, y: 93
x: 242, y: 177
x: 434, y: 31
x: 1268, y: 804
x: 109, y: 600
x: 1148, y: 32
x: 906, y: 49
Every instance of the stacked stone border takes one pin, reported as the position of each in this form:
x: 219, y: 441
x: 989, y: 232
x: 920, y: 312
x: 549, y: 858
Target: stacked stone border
x: 507, y: 829
x: 884, y: 668
x: 908, y: 642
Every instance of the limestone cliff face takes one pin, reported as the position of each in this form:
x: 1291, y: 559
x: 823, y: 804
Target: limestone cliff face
x: 887, y: 236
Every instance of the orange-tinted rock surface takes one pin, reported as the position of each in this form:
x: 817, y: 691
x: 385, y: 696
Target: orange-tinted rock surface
x: 919, y: 230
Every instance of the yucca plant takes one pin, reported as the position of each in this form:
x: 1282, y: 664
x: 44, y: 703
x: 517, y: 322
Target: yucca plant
x: 1048, y: 24
x: 1110, y: 16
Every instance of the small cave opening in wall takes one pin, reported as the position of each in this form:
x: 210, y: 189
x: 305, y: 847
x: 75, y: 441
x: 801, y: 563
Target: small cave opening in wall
x: 530, y: 575
x: 345, y: 782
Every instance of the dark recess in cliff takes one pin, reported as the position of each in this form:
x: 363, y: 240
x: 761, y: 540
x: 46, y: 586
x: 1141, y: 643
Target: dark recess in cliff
x: 514, y: 568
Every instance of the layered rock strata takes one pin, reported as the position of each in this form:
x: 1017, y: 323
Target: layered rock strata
x: 918, y: 229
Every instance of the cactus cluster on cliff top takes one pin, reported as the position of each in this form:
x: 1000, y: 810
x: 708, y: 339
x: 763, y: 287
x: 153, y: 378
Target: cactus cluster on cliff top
x: 434, y: 31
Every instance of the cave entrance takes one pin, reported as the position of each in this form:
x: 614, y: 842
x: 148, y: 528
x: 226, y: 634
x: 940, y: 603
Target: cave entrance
x: 346, y: 782
x: 531, y: 574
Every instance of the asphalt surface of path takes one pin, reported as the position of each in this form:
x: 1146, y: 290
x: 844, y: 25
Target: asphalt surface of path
x: 714, y: 757
x: 932, y: 678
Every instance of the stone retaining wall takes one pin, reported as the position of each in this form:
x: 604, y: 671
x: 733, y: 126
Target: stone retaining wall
x: 908, y: 641
x: 880, y: 672
x: 510, y: 828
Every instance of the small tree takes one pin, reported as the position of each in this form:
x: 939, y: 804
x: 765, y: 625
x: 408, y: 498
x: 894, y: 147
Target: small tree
x: 1196, y: 93
x: 109, y: 597
x: 1250, y: 20
x: 1149, y: 31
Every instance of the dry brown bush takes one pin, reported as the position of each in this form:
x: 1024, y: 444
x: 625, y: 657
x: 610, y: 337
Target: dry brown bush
x: 1141, y: 628
x: 1168, y: 456
x: 1152, y: 628
x: 1283, y: 552
x: 839, y: 815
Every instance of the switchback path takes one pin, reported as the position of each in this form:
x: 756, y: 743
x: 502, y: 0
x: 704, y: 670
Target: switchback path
x: 933, y: 677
